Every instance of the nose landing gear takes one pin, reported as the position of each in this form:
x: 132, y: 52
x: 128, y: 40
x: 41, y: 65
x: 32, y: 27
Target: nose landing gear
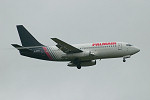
x: 124, y: 60
x: 125, y: 57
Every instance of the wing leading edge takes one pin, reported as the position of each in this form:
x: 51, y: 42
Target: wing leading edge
x: 65, y: 47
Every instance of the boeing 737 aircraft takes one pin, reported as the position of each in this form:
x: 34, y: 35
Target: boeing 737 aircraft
x: 79, y: 54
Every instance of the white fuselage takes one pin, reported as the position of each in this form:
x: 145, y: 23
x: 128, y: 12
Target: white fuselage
x: 78, y: 54
x: 93, y: 51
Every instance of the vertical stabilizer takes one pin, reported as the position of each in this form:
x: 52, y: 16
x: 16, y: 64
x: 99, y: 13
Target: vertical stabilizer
x: 26, y: 38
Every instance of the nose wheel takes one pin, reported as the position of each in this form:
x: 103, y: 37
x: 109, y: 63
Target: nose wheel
x: 124, y: 60
x: 125, y: 57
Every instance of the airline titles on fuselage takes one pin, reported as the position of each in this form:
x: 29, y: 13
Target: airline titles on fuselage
x: 104, y: 43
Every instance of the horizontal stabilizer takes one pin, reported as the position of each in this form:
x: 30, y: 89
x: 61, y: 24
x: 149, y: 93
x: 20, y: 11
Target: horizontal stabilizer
x: 16, y: 46
x: 20, y: 48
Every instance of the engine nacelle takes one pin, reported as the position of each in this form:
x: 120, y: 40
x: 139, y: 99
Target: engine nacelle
x: 78, y: 55
x: 85, y: 63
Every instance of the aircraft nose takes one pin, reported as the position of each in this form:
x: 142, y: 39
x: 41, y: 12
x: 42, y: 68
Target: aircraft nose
x: 137, y: 50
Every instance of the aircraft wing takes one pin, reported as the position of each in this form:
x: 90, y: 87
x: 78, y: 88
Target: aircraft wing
x: 65, y: 47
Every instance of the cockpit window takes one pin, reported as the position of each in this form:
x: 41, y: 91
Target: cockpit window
x: 128, y: 45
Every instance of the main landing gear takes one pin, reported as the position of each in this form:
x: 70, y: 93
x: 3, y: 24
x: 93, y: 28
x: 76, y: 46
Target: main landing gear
x: 79, y: 66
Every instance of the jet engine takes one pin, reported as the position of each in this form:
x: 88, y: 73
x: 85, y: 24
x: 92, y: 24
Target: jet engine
x: 84, y: 63
x: 78, y: 55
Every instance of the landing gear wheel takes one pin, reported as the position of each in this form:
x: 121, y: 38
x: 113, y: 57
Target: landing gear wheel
x: 125, y: 57
x: 124, y: 60
x: 79, y: 66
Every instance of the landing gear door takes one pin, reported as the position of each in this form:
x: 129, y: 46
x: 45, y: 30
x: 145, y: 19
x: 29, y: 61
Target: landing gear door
x: 119, y: 46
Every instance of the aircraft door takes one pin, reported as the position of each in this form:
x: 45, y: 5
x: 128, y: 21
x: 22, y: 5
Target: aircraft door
x: 119, y: 46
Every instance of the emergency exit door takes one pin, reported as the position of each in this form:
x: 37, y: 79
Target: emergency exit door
x: 119, y: 46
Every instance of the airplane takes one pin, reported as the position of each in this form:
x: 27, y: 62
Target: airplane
x: 78, y: 55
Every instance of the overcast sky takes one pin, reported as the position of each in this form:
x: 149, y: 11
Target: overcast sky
x: 75, y: 21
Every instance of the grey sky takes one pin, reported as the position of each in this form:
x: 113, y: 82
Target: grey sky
x: 75, y: 21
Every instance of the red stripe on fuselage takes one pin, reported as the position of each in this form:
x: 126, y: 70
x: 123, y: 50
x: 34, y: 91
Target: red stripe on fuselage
x: 47, y: 53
